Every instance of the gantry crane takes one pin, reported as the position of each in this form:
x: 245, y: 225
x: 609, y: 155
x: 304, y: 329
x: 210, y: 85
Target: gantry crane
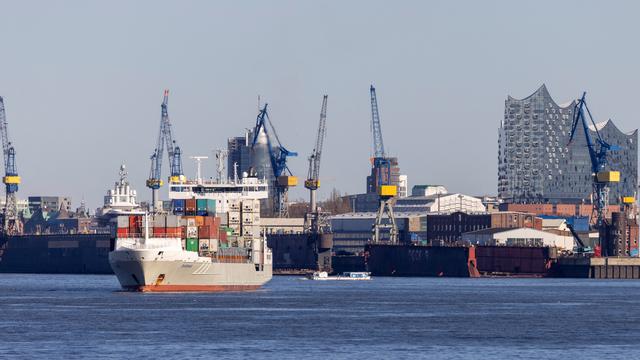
x: 386, y: 190
x: 313, y: 178
x: 283, y: 178
x: 165, y: 138
x: 601, y: 176
x: 11, y: 224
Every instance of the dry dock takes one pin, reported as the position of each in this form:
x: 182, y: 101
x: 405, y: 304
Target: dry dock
x: 598, y: 268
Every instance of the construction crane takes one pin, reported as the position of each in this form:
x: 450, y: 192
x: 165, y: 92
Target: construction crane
x: 601, y: 176
x: 313, y: 178
x: 376, y: 129
x: 11, y: 224
x: 165, y: 138
x: 278, y: 154
x: 386, y: 190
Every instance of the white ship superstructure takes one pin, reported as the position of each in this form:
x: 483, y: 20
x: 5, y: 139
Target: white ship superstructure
x: 121, y: 199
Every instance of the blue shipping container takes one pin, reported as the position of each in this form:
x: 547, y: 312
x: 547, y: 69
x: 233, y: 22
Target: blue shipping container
x: 178, y: 205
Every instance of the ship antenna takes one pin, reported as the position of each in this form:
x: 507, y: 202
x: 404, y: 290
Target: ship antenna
x: 235, y: 172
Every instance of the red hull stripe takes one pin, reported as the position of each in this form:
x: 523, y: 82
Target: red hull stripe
x: 191, y: 288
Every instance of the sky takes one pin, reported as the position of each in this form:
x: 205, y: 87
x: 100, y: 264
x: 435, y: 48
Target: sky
x: 83, y: 82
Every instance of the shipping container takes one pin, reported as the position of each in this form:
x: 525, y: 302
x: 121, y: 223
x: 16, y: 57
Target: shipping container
x: 192, y: 245
x: 204, y: 232
x: 173, y: 221
x: 204, y: 245
x: 192, y: 232
x: 211, y: 207
x: 190, y: 205
x: 178, y: 205
x: 123, y: 221
x: 123, y: 232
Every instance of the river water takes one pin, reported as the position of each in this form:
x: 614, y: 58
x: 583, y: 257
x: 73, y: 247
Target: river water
x: 83, y: 316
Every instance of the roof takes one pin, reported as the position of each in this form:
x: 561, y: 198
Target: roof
x: 543, y: 90
x: 491, y: 231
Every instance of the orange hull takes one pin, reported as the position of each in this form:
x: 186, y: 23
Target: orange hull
x: 191, y: 288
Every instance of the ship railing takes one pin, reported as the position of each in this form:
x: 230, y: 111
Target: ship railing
x: 156, y: 243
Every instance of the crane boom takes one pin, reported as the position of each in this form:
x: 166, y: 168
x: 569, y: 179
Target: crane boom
x: 601, y: 176
x: 376, y: 128
x: 11, y: 223
x: 278, y: 159
x: 165, y: 139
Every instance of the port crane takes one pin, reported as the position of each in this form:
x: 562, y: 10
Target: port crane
x: 385, y: 189
x: 601, y: 176
x: 165, y: 138
x: 278, y: 155
x: 11, y: 224
x: 313, y: 178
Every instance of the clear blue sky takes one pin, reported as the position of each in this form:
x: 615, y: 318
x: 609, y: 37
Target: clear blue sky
x: 83, y: 81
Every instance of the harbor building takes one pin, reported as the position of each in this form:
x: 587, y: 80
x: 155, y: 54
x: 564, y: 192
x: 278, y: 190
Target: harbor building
x: 239, y: 155
x: 536, y: 164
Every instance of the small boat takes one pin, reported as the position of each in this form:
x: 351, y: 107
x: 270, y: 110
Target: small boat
x: 322, y: 275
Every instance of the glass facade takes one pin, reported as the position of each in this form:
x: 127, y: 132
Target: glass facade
x: 537, y: 165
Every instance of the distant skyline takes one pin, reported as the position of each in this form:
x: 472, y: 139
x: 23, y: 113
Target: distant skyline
x: 83, y: 82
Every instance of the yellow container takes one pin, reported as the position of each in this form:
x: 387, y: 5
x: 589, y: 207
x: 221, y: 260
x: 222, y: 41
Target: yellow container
x: 177, y: 179
x: 153, y: 182
x: 287, y: 180
x: 388, y: 190
x: 608, y: 176
x: 11, y: 179
x: 312, y: 184
x: 628, y: 199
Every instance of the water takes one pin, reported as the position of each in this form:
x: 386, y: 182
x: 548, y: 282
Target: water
x: 80, y: 316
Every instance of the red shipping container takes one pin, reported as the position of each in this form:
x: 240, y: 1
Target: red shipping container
x: 159, y: 231
x: 190, y: 205
x: 204, y: 232
x: 123, y: 232
x: 174, y: 232
x: 223, y: 235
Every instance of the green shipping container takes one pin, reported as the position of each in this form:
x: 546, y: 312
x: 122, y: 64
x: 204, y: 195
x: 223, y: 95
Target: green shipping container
x: 201, y: 205
x: 211, y: 206
x: 192, y: 245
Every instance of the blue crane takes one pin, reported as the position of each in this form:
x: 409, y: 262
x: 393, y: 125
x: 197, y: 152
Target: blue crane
x: 165, y: 138
x: 598, y: 151
x: 278, y: 158
x: 11, y: 223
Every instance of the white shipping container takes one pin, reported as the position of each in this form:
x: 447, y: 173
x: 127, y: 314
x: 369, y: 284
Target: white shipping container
x: 192, y: 232
x: 204, y: 244
x: 213, y: 245
x: 123, y: 221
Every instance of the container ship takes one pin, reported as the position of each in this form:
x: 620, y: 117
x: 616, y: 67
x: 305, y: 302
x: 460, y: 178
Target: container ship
x: 191, y: 253
x: 79, y: 244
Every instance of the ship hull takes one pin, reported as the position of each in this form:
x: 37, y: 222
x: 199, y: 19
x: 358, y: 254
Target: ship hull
x: 162, y: 270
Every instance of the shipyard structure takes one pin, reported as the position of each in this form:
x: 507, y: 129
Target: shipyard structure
x: 535, y: 164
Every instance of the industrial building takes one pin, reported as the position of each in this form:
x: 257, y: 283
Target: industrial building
x: 239, y: 154
x: 535, y: 165
x: 49, y: 203
x: 423, y: 199
x: 352, y: 231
